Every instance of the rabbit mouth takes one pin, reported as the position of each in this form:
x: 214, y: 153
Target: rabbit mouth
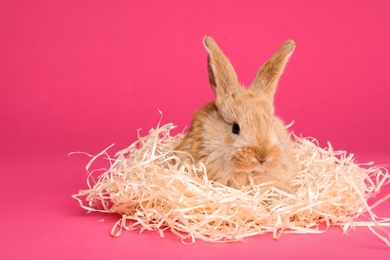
x: 255, y: 165
x: 250, y: 166
x: 250, y: 159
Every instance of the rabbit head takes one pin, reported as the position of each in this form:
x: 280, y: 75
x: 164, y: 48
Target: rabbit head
x: 237, y: 136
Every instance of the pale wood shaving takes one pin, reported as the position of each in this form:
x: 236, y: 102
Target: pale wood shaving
x: 151, y: 191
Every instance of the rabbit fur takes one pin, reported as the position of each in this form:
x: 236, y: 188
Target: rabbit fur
x: 238, y: 137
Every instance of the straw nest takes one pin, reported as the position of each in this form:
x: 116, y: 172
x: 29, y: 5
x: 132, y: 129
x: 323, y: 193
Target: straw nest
x: 151, y: 192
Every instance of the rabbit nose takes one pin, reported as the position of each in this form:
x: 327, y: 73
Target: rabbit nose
x: 261, y: 162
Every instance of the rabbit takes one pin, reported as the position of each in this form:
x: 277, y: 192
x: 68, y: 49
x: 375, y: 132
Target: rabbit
x: 238, y: 137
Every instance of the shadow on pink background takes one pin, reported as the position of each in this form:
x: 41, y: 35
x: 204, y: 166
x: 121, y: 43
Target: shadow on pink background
x: 81, y: 75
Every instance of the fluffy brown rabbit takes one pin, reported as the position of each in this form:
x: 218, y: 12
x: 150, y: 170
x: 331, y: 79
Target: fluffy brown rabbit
x: 237, y: 136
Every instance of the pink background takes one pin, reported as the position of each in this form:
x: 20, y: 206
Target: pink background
x: 81, y: 75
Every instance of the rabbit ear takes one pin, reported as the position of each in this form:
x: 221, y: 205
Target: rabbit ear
x: 267, y: 77
x: 222, y: 77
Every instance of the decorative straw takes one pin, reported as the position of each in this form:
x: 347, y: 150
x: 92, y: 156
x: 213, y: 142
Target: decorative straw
x: 151, y: 191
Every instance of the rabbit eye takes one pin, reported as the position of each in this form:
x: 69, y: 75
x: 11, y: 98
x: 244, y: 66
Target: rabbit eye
x: 236, y: 129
